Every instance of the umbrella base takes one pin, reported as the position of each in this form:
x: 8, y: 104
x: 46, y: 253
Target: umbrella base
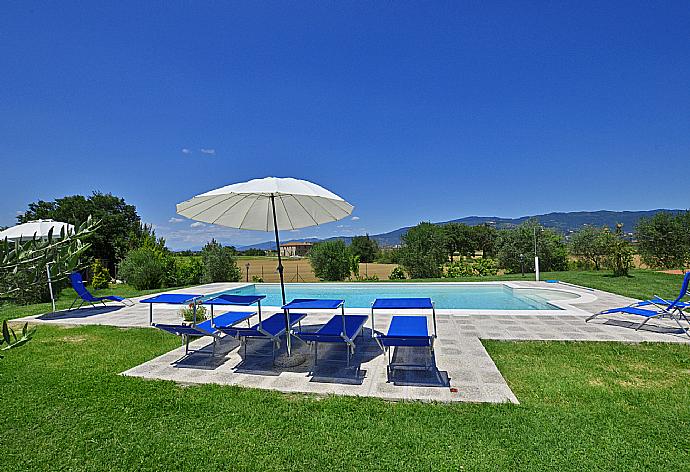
x: 285, y: 361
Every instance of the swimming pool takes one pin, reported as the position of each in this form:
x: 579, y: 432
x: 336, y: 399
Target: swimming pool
x: 446, y: 296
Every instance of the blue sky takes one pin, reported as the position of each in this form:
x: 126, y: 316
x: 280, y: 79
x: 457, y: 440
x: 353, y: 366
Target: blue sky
x: 409, y: 110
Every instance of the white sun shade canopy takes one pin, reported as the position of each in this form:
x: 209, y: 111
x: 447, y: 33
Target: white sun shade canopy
x: 247, y: 205
x: 39, y: 228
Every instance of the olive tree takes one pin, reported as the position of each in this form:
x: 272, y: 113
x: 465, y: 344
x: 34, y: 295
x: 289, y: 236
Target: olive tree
x: 423, y: 251
x: 331, y: 260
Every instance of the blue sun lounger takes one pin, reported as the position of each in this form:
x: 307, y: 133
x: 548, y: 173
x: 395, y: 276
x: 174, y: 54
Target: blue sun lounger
x: 172, y: 299
x: 342, y: 328
x: 406, y: 330
x: 271, y: 328
x: 85, y: 296
x: 657, y: 308
x: 205, y: 328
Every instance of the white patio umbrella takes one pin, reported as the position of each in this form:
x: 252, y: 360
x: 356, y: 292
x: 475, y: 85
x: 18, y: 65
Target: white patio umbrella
x: 268, y: 204
x: 39, y: 229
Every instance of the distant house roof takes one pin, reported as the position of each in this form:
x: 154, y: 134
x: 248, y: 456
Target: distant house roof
x: 297, y: 244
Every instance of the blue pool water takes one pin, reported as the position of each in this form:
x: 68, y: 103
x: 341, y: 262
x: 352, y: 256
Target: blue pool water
x: 477, y: 297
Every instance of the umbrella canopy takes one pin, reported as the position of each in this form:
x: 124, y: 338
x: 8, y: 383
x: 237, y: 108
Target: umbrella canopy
x: 38, y: 228
x: 249, y: 205
x: 269, y: 204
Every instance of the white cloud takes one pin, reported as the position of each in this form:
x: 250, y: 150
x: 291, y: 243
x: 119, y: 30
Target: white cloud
x: 174, y: 220
x: 209, y: 151
x: 355, y: 218
x: 186, y: 151
x: 197, y: 224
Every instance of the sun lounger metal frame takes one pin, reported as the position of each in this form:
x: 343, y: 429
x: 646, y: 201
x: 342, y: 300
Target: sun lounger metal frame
x: 664, y: 309
x: 326, y: 333
x: 400, y: 335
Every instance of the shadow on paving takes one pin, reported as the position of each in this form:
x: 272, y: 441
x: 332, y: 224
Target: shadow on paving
x: 80, y: 313
x: 652, y: 328
x: 203, y: 358
x: 417, y: 376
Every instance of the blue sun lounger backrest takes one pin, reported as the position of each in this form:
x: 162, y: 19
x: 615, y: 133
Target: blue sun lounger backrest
x: 77, y: 283
x: 683, y: 291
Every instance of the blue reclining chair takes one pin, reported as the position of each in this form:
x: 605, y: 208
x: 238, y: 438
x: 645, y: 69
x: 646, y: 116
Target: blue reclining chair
x: 209, y: 327
x: 271, y: 328
x: 85, y: 296
x: 341, y: 329
x: 406, y: 330
x: 663, y: 308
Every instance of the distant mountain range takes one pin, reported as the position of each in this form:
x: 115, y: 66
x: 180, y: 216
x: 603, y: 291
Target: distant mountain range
x: 564, y: 222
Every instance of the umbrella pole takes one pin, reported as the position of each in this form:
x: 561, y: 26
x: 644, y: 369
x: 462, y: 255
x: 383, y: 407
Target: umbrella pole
x: 280, y: 273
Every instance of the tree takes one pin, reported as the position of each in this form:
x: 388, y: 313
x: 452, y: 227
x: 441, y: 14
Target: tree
x: 484, y: 238
x: 458, y: 238
x: 664, y: 241
x: 591, y: 244
x: 119, y: 222
x: 219, y: 263
x: 512, y: 243
x: 23, y: 276
x: 423, y: 251
x: 366, y: 248
x: 330, y: 260
x: 620, y: 255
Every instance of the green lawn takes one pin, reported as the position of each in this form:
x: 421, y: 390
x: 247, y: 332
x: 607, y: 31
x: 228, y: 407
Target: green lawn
x: 640, y: 283
x: 583, y: 406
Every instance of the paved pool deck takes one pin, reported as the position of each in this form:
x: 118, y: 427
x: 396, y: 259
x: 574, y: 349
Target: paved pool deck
x: 464, y: 370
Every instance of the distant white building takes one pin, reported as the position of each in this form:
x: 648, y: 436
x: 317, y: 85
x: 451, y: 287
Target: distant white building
x: 295, y: 249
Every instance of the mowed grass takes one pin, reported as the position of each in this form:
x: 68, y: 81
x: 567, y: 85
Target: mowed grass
x: 641, y: 284
x: 583, y: 406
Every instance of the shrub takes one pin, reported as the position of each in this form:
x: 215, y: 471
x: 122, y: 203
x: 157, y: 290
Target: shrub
x: 257, y: 279
x: 469, y: 268
x: 461, y: 268
x: 397, y: 274
x: 187, y: 312
x: 423, y: 251
x: 219, y: 264
x: 188, y: 271
x: 330, y: 260
x: 144, y: 268
x: 100, y: 277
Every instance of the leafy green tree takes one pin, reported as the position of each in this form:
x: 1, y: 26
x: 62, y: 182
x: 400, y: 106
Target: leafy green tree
x: 330, y: 260
x: 664, y: 240
x: 590, y: 243
x: 518, y: 241
x: 423, y: 251
x: 100, y: 277
x: 219, y: 263
x: 484, y: 239
x: 620, y: 254
x: 458, y: 238
x: 119, y: 222
x: 366, y: 248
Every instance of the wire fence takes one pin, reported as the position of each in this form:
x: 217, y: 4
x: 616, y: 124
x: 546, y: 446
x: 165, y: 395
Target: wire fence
x: 299, y: 270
